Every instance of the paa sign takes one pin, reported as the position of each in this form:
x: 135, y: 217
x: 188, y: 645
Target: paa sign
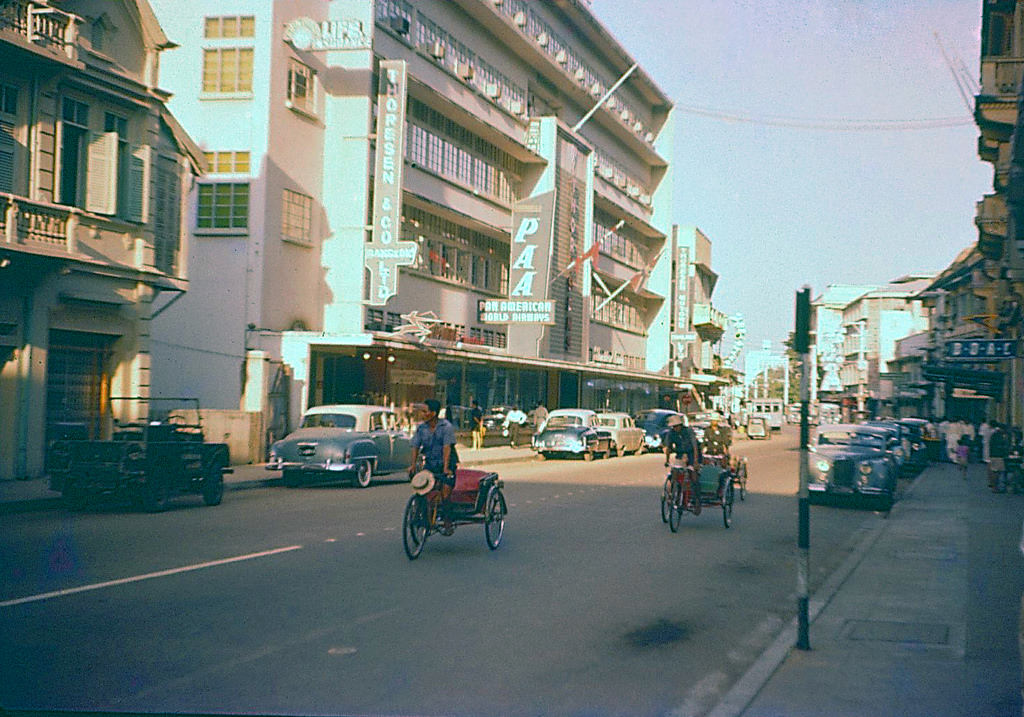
x: 530, y: 256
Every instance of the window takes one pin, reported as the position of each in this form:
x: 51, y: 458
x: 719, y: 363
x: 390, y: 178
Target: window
x: 301, y: 87
x: 230, y: 26
x: 119, y: 126
x: 8, y: 99
x: 223, y: 206
x: 227, y: 162
x: 227, y: 70
x: 167, y: 215
x: 296, y: 217
x: 74, y: 130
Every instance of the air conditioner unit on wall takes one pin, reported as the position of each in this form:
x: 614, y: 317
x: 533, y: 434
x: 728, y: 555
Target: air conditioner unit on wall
x: 624, y: 115
x: 399, y: 24
x: 493, y: 91
x: 542, y: 39
x: 515, y: 107
x: 606, y: 171
x: 437, y: 50
x: 649, y: 137
x: 465, y: 71
x: 561, y: 58
x: 645, y: 199
x: 638, y: 127
x: 596, y: 89
x: 580, y: 75
x: 633, y: 190
x: 519, y: 18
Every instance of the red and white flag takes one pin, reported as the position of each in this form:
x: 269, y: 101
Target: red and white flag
x: 577, y: 263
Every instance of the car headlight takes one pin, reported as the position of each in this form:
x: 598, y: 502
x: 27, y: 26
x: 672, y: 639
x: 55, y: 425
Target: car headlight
x: 822, y: 466
x: 865, y: 469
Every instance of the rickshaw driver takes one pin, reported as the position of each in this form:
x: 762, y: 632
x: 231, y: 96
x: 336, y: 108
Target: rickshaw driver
x: 435, y: 439
x: 680, y: 441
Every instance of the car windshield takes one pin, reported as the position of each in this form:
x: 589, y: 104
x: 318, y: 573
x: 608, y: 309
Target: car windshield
x: 343, y: 421
x: 562, y: 421
x: 607, y: 421
x: 851, y: 438
x: 653, y: 420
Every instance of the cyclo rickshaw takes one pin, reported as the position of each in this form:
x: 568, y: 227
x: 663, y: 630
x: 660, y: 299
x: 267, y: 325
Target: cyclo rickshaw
x: 476, y: 499
x: 690, y: 489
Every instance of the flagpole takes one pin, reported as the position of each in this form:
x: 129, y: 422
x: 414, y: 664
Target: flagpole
x: 650, y: 267
x: 571, y: 264
x: 607, y: 94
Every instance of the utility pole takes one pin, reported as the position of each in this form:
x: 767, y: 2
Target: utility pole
x: 802, y: 344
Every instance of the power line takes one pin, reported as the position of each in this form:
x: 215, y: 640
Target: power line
x: 833, y: 125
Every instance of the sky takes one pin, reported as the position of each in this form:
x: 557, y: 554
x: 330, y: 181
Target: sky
x: 789, y: 206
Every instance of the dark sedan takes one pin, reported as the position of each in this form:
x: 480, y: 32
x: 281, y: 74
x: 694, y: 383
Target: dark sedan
x: 572, y: 431
x: 341, y: 442
x: 849, y: 461
x: 653, y: 423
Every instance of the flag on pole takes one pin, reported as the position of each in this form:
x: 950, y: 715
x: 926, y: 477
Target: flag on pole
x: 577, y: 263
x: 640, y: 278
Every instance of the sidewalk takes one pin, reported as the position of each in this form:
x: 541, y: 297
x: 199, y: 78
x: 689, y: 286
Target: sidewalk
x: 17, y: 496
x: 921, y: 620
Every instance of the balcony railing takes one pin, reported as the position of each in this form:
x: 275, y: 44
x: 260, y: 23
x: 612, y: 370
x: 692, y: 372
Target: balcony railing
x: 709, y: 322
x: 35, y: 224
x: 1000, y: 77
x: 42, y: 25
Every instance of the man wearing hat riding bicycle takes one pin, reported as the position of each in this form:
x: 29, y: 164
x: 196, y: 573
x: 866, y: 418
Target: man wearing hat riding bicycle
x: 434, y: 439
x: 679, y: 440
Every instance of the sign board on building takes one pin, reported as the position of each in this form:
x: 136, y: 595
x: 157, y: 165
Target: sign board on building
x: 307, y: 34
x: 506, y: 311
x: 384, y: 253
x: 981, y: 349
x: 529, y: 262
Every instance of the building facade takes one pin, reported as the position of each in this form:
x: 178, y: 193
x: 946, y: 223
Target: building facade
x: 94, y: 174
x: 386, y: 177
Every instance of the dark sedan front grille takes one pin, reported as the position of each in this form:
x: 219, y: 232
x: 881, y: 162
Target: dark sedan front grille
x: 844, y: 473
x: 307, y: 449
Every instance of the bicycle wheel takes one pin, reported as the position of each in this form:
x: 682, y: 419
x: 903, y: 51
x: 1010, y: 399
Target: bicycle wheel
x: 676, y: 508
x: 727, y: 499
x: 666, y: 499
x: 494, y: 518
x: 414, y: 526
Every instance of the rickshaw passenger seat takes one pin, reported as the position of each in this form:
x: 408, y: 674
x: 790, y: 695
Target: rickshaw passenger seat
x: 467, y: 485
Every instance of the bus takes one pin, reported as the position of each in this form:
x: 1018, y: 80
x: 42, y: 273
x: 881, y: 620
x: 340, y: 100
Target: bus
x: 771, y: 409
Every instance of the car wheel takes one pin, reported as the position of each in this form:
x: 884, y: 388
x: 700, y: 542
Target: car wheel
x: 154, y: 496
x: 290, y: 478
x: 363, y: 474
x: 588, y: 456
x: 542, y: 456
x: 620, y: 451
x: 213, y: 486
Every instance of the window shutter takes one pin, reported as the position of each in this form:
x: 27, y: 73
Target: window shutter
x: 138, y: 185
x: 7, y: 147
x: 101, y: 180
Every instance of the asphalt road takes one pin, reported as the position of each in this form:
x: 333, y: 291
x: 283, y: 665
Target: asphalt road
x: 301, y: 601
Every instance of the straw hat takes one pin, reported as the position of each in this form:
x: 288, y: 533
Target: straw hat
x: 673, y: 421
x: 423, y: 482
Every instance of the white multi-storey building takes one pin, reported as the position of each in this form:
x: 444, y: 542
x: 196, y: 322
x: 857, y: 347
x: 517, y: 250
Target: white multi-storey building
x: 325, y: 270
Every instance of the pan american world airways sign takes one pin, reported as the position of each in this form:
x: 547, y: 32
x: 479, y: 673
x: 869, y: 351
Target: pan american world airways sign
x: 503, y: 311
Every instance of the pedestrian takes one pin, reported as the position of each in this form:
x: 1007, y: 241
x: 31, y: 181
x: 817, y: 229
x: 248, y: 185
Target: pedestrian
x: 963, y: 449
x: 540, y: 415
x: 999, y: 449
x: 476, y: 423
x: 985, y: 431
x: 515, y: 421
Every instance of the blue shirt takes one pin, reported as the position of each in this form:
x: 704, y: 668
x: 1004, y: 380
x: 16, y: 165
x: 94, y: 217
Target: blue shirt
x: 431, y: 443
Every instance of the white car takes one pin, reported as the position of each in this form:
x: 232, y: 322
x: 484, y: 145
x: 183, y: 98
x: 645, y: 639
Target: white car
x: 627, y: 437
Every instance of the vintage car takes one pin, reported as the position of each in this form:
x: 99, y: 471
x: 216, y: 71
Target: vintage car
x: 699, y: 423
x: 653, y: 423
x: 916, y: 430
x: 572, y: 431
x: 626, y: 436
x: 342, y: 442
x: 758, y: 428
x: 899, y: 441
x: 852, y: 460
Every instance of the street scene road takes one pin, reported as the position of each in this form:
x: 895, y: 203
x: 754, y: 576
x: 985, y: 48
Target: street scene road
x: 302, y: 600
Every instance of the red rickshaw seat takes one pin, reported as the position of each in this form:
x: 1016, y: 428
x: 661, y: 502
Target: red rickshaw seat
x: 467, y: 485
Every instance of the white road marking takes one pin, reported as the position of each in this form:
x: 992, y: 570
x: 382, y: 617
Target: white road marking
x: 137, y: 578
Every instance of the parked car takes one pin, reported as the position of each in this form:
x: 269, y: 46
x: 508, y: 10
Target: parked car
x: 626, y: 436
x: 494, y: 418
x: 572, y: 431
x: 852, y: 460
x: 653, y: 423
x: 342, y: 442
x: 916, y: 429
x: 699, y: 423
x: 758, y: 428
x: 900, y: 442
x: 159, y: 454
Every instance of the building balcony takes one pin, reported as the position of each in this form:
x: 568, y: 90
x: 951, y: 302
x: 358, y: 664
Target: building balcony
x: 1000, y: 77
x: 55, y: 231
x: 991, y: 219
x: 40, y: 28
x: 709, y: 322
